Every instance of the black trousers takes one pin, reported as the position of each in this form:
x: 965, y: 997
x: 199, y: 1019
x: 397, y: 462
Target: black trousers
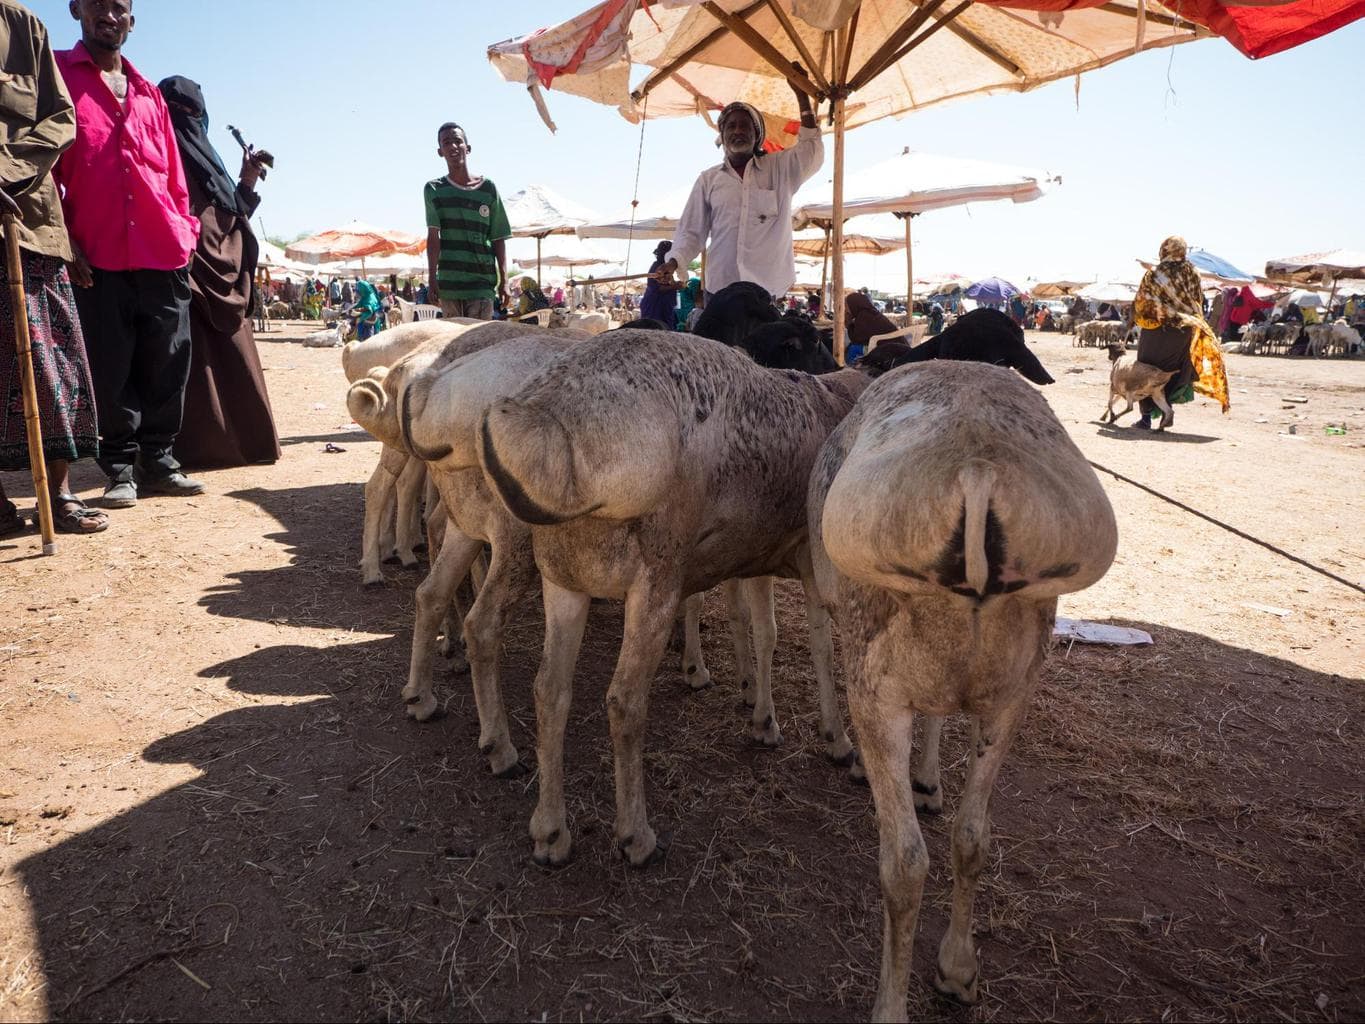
x: 137, y: 337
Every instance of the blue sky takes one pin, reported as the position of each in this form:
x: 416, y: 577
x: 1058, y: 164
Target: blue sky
x: 1250, y: 159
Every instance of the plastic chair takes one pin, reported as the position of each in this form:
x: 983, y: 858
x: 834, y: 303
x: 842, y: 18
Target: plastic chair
x: 913, y: 334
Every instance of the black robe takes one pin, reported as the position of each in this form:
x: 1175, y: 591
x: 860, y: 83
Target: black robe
x: 227, y: 420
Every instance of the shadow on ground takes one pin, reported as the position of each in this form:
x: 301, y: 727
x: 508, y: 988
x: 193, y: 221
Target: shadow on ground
x: 320, y: 526
x: 1165, y: 844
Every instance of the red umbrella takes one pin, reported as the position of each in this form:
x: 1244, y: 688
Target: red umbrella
x: 353, y: 241
x: 1258, y: 28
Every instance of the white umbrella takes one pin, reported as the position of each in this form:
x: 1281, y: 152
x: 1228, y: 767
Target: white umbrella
x: 655, y: 218
x: 914, y: 183
x: 537, y: 211
x: 1110, y: 291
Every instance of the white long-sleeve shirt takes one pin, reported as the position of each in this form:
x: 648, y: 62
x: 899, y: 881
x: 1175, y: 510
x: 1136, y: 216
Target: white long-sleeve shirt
x: 748, y: 219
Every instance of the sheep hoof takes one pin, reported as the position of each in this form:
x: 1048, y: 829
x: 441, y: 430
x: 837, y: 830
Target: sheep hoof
x: 422, y: 708
x: 375, y: 580
x: 963, y: 995
x: 642, y: 853
x: 515, y: 770
x: 698, y: 678
x: 767, y: 734
x: 929, y: 803
x: 550, y: 859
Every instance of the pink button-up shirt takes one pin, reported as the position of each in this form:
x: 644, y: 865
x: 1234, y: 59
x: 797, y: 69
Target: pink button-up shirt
x: 123, y: 186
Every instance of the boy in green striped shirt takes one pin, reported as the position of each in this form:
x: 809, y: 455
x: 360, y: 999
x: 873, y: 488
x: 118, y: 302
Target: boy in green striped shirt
x: 466, y: 226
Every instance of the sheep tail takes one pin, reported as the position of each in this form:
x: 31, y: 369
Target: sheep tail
x: 976, y: 480
x: 527, y: 457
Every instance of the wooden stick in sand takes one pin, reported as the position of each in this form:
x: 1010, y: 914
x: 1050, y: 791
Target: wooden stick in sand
x: 24, y: 348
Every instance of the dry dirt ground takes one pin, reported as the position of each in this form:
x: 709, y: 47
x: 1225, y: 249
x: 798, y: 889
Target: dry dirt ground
x: 212, y: 805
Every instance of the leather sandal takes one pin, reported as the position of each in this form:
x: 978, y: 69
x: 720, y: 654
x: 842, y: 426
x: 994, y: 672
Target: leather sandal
x: 80, y: 519
x: 11, y: 522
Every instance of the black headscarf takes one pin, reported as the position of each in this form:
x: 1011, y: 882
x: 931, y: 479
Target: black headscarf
x: 201, y: 160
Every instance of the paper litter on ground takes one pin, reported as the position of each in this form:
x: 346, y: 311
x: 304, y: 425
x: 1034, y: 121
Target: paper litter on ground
x: 1098, y: 633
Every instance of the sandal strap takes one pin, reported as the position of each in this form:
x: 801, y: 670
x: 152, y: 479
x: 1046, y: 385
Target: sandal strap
x: 70, y: 498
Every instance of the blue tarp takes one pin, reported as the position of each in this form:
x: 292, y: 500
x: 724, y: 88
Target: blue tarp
x: 991, y: 289
x: 1211, y: 264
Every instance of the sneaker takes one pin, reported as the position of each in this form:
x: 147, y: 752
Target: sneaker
x: 176, y: 484
x: 121, y: 493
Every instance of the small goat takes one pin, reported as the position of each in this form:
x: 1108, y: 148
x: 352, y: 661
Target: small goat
x: 1134, y: 381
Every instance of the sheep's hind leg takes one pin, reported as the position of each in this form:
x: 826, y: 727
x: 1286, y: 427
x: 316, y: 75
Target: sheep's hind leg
x: 694, y: 669
x: 758, y: 596
x: 1167, y: 413
x: 378, y: 510
x: 409, y: 516
x: 837, y: 744
x: 511, y: 574
x: 885, y: 731
x: 992, y: 735
x: 651, y: 605
x: 737, y: 611
x: 566, y: 613
x: 927, y: 786
x: 433, y: 599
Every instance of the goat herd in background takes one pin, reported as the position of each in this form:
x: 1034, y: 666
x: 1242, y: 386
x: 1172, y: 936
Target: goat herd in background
x: 932, y: 513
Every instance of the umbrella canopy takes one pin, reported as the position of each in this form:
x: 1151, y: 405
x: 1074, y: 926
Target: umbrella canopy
x: 1110, y: 291
x: 353, y: 241
x: 654, y: 219
x: 1318, y: 267
x: 815, y: 242
x: 1056, y: 289
x: 914, y: 183
x: 991, y: 289
x: 918, y: 182
x: 537, y: 211
x: 1300, y: 297
x: 1210, y: 265
x: 870, y: 58
x: 568, y: 251
x: 272, y: 258
x: 402, y: 264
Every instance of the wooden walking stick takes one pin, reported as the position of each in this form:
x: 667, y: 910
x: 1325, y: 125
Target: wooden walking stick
x: 23, y: 346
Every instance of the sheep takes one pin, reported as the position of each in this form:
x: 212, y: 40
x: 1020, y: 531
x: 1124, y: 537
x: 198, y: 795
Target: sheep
x: 943, y: 529
x: 1134, y: 381
x: 329, y: 338
x: 983, y: 335
x: 652, y: 466
x: 1100, y: 333
x: 360, y: 357
x: 438, y: 412
x: 397, y: 481
x: 591, y: 323
x: 1336, y: 338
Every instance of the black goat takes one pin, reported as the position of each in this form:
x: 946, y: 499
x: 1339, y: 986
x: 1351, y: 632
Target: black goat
x: 734, y: 311
x: 981, y: 336
x: 742, y: 315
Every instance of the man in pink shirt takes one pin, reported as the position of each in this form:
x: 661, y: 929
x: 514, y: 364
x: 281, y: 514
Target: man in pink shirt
x: 132, y: 236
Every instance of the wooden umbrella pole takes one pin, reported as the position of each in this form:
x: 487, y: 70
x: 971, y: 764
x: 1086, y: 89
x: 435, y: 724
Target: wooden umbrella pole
x: 909, y: 276
x: 824, y: 277
x: 838, y: 297
x: 24, y: 348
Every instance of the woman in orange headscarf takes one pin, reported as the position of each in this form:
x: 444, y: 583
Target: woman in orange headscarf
x: 1169, y: 309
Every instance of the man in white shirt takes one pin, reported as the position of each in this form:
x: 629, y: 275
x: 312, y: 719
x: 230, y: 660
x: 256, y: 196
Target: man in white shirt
x: 744, y: 205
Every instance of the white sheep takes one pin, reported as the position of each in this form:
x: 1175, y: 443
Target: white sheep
x: 943, y: 528
x: 393, y: 492
x: 652, y: 466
